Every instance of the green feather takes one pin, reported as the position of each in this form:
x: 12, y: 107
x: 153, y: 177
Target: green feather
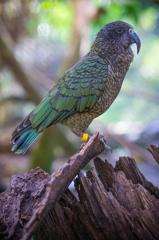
x: 78, y: 91
x: 41, y: 112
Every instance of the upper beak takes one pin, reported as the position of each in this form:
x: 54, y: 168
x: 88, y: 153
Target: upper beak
x: 135, y: 39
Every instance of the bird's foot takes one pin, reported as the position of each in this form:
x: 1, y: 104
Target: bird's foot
x: 85, y: 137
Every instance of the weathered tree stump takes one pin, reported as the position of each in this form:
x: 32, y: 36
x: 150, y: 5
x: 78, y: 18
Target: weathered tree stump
x: 108, y: 202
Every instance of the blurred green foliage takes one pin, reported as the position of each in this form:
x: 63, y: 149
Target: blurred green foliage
x: 118, y: 10
x: 53, y: 18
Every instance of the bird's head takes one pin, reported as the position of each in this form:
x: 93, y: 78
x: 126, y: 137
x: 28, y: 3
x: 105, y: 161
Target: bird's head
x: 115, y: 37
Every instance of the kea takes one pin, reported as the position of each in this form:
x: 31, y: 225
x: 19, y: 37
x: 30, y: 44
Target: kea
x: 86, y: 90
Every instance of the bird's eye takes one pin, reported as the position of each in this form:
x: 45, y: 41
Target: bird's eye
x: 119, y: 30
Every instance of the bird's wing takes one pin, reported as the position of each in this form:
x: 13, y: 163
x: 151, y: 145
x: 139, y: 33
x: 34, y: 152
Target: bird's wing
x: 78, y: 91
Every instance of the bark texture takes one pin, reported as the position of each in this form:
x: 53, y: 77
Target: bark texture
x: 107, y: 203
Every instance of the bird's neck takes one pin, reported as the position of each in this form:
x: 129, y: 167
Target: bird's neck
x: 116, y: 56
x: 121, y: 59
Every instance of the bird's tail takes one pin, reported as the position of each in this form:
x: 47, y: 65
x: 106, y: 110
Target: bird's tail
x: 23, y: 137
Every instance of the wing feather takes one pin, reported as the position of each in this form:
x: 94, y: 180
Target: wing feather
x: 78, y: 91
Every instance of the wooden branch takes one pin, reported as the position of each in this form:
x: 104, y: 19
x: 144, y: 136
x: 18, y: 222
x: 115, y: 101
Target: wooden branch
x: 154, y: 150
x: 109, y: 206
x: 110, y: 203
x: 33, y: 194
x: 129, y: 167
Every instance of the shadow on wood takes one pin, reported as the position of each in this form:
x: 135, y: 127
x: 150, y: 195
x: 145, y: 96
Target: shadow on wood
x: 108, y: 203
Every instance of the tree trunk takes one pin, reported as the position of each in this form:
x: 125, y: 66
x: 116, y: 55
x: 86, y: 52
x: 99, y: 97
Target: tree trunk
x: 107, y: 203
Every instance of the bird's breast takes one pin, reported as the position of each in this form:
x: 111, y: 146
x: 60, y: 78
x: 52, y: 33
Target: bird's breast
x: 116, y: 75
x: 111, y: 90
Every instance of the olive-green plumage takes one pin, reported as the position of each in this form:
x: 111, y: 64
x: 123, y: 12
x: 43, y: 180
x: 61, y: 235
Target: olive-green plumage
x: 86, y: 90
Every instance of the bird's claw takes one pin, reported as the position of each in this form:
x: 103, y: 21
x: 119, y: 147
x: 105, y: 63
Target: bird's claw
x: 85, y: 137
x: 107, y: 148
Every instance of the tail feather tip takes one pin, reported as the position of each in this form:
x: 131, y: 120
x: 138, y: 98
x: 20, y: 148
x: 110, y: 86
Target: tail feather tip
x: 23, y: 142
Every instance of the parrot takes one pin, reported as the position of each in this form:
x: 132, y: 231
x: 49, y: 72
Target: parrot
x: 86, y: 90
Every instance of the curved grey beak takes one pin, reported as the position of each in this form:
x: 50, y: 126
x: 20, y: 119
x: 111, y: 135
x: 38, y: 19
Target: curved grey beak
x: 135, y: 39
